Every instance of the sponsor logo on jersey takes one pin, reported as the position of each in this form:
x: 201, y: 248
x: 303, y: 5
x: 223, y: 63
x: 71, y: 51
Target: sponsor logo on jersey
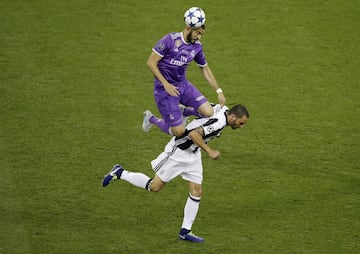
x: 183, y: 60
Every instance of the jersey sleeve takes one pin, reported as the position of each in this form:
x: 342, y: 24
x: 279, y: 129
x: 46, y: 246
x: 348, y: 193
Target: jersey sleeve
x: 162, y: 46
x: 200, y: 59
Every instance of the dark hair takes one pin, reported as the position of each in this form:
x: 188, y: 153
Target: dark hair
x: 202, y: 26
x: 239, y: 111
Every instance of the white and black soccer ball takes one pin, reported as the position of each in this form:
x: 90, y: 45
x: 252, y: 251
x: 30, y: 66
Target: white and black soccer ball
x: 194, y: 17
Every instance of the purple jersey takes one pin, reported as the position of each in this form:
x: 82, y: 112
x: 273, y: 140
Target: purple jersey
x: 176, y: 55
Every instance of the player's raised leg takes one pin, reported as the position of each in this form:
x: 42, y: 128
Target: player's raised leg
x: 135, y: 178
x: 194, y: 99
x: 114, y: 173
x: 150, y: 119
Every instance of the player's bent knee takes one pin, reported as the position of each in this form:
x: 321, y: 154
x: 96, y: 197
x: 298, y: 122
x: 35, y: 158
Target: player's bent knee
x: 178, y: 131
x: 206, y: 110
x: 196, y: 193
x: 156, y: 188
x: 156, y: 184
x: 209, y: 113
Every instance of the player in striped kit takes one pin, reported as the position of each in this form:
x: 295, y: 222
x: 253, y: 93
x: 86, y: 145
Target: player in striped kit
x: 182, y: 157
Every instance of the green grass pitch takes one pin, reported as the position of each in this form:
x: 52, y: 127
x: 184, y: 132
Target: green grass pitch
x: 74, y: 84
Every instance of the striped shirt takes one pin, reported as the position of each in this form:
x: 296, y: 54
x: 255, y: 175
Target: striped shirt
x: 212, y: 128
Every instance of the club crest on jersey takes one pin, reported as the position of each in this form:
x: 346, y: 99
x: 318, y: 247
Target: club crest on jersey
x: 192, y: 53
x: 178, y: 43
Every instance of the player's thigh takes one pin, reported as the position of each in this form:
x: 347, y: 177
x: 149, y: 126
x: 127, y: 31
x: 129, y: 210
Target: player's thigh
x: 192, y: 97
x: 168, y: 107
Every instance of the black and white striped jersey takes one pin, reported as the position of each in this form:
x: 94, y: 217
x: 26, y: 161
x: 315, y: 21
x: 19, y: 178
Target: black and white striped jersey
x: 212, y: 127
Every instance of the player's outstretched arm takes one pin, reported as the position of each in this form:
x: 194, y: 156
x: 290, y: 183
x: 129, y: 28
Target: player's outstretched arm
x: 196, y: 136
x: 210, y: 78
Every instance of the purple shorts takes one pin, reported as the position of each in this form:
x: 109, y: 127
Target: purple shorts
x: 168, y: 105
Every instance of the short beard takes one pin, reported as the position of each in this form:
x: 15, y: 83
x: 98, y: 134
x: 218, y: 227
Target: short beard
x: 189, y: 38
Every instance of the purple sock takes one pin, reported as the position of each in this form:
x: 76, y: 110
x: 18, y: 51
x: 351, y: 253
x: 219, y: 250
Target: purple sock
x: 160, y: 123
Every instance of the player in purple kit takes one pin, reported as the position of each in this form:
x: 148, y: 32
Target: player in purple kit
x: 168, y: 62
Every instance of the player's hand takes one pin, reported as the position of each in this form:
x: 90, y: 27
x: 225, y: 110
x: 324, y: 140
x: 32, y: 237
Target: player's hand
x: 213, y: 154
x: 171, y: 89
x: 221, y: 99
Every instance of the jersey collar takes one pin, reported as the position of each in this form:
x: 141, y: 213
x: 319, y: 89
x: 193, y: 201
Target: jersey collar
x: 183, y: 38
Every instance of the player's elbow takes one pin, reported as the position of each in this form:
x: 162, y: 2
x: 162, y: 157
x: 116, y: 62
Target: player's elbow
x: 149, y: 64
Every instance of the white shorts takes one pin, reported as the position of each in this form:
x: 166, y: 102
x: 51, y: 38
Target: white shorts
x: 180, y: 162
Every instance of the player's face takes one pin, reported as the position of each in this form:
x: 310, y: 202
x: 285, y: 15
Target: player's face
x: 195, y: 35
x: 236, y: 123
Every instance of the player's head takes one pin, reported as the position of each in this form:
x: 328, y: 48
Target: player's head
x: 194, y: 19
x: 193, y: 35
x: 238, y: 116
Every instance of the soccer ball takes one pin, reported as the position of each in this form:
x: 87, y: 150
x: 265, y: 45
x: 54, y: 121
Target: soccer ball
x: 194, y: 17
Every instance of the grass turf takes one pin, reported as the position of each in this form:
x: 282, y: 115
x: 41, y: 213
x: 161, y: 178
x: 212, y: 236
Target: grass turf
x: 73, y: 87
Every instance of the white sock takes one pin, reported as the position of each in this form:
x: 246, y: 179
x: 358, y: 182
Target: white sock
x: 190, y: 211
x: 137, y: 179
